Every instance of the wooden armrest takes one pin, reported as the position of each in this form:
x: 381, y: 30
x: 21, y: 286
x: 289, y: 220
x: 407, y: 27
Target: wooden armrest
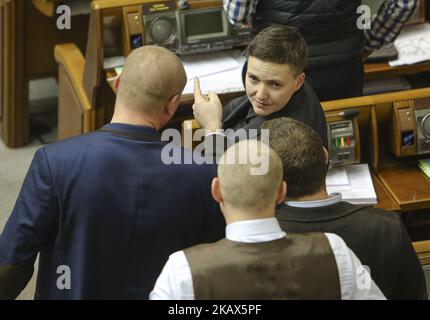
x: 71, y: 59
x: 46, y: 7
x: 341, y: 104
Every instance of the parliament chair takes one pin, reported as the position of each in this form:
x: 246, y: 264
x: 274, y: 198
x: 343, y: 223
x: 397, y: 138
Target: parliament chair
x: 28, y: 34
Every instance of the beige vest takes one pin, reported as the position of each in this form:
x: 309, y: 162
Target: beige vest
x: 299, y: 266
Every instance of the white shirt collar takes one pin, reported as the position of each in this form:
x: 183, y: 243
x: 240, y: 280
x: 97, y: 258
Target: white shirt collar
x: 332, y: 199
x: 252, y: 231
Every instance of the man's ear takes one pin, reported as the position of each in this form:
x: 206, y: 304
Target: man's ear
x: 326, y: 157
x: 299, y: 81
x: 216, y: 190
x: 282, y: 193
x: 172, y: 105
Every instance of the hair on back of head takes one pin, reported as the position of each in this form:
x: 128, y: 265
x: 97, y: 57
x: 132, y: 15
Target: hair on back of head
x: 301, y: 151
x: 282, y: 45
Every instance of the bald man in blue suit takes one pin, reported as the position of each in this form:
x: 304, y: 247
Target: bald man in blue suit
x: 103, y: 210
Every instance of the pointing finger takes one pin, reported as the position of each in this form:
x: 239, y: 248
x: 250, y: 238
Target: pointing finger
x: 197, y: 90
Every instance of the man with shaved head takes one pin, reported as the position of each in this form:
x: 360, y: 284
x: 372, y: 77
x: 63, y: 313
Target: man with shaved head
x: 257, y: 260
x: 102, y: 209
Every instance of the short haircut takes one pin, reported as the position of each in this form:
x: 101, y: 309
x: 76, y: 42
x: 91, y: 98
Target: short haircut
x: 282, y: 45
x: 152, y: 75
x: 301, y: 151
x: 241, y: 188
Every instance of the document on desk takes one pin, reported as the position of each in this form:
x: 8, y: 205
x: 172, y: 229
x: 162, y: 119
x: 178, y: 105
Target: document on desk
x: 199, y: 65
x: 219, y: 72
x: 359, y: 189
x: 413, y: 45
x: 337, y: 177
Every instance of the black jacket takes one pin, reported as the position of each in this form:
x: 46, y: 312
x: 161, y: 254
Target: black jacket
x: 329, y: 27
x: 303, y: 106
x: 376, y: 236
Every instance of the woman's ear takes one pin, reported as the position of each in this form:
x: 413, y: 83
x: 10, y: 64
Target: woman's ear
x: 299, y: 81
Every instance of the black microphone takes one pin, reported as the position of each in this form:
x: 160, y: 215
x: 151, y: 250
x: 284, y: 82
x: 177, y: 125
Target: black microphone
x: 347, y: 114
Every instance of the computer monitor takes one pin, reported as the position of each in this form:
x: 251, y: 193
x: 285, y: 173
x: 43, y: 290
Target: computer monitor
x: 419, y: 15
x: 204, y: 24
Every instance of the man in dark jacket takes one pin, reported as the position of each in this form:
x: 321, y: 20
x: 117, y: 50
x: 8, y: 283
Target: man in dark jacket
x: 104, y: 210
x: 377, y: 237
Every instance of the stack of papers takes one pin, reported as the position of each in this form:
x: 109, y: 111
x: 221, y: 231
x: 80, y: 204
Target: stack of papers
x: 218, y: 72
x: 354, y: 182
x: 424, y: 165
x: 413, y: 45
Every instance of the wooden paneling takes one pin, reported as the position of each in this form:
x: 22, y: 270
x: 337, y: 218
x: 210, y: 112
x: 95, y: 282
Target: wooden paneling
x: 1, y: 64
x: 15, y: 92
x: 28, y: 44
x: 41, y: 35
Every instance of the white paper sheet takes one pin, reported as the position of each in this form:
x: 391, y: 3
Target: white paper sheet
x: 337, y: 177
x: 360, y: 189
x: 220, y: 81
x: 413, y: 45
x: 199, y: 65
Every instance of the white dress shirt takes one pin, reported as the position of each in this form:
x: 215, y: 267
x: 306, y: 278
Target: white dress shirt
x: 332, y: 199
x: 175, y: 281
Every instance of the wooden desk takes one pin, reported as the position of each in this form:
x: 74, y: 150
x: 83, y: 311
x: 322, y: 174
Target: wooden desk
x: 408, y: 185
x: 385, y: 200
x: 383, y: 70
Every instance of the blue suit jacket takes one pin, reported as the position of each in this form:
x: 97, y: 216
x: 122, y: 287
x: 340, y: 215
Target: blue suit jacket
x: 105, y: 206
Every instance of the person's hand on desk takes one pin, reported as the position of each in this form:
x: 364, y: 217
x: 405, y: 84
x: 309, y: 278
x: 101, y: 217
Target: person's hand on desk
x: 207, y: 109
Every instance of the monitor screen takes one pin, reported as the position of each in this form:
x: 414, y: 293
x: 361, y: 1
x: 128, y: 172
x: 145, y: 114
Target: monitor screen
x: 204, y: 24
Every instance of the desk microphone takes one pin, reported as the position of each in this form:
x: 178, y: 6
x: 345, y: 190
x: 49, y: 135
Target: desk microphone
x: 347, y: 114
